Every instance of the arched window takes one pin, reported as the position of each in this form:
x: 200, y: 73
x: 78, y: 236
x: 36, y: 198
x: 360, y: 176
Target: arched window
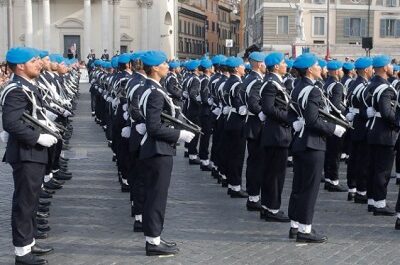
x: 168, y: 19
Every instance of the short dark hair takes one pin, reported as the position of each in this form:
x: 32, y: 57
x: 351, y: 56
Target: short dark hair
x: 302, y: 71
x: 137, y: 65
x: 271, y: 68
x: 122, y: 66
x: 147, y: 69
x: 12, y: 66
x: 346, y: 71
x: 231, y: 70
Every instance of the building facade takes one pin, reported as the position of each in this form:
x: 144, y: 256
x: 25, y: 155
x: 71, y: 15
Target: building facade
x: 81, y: 25
x: 274, y: 25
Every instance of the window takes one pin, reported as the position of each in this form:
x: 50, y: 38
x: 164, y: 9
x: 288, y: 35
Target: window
x: 388, y: 28
x: 355, y: 27
x: 319, y: 26
x: 283, y: 25
x: 320, y: 2
x: 180, y: 26
x: 213, y: 26
x: 391, y: 3
x: 185, y: 27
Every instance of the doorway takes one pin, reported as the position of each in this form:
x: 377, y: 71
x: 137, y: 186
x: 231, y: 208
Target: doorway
x: 72, y: 46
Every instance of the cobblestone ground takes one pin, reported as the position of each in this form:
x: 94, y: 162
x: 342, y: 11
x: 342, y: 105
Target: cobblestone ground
x: 91, y: 223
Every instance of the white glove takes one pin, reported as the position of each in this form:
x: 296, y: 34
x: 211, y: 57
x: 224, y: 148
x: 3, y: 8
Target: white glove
x: 198, y: 98
x: 125, y: 107
x: 262, y: 116
x: 298, y: 125
x: 105, y: 97
x: 115, y: 102
x: 370, y: 112
x: 100, y: 90
x: 339, y: 131
x: 350, y: 116
x: 109, y: 99
x: 185, y: 136
x: 66, y: 113
x: 46, y: 140
x: 217, y: 111
x: 225, y: 110
x: 4, y: 136
x: 243, y: 110
x: 51, y: 115
x: 126, y: 132
x: 141, y: 128
x: 126, y: 115
x: 210, y: 101
x: 185, y: 94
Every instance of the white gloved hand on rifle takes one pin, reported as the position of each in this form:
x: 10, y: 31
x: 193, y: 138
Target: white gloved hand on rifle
x: 4, y: 136
x: 126, y: 132
x: 185, y: 136
x: 141, y: 128
x: 46, y: 140
x: 262, y: 116
x: 339, y: 131
x: 370, y: 112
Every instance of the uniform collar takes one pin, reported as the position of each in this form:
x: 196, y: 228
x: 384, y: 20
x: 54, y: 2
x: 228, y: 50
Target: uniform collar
x: 155, y: 82
x: 257, y: 73
x: 278, y: 76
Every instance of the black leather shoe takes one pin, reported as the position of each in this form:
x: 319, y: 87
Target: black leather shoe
x: 62, y: 177
x: 44, y: 203
x: 48, y: 191
x: 224, y: 183
x: 168, y: 243
x: 229, y: 191
x: 44, y: 195
x: 387, y: 211
x: 214, y: 173
x: 43, y: 228
x: 312, y: 237
x: 42, y: 215
x: 57, y: 182
x: 350, y: 196
x: 64, y: 159
x: 29, y: 259
x: 397, y: 181
x: 253, y: 206
x: 160, y: 250
x: 239, y: 194
x: 371, y: 208
x: 279, y: 217
x: 186, y: 154
x: 109, y: 144
x: 137, y: 226
x: 43, y: 209
x: 263, y: 213
x: 289, y: 163
x: 293, y: 233
x: 334, y: 188
x: 125, y: 188
x: 42, y: 221
x: 41, y: 250
x: 206, y: 168
x: 362, y: 199
x: 52, y: 186
x: 397, y: 225
x: 114, y: 158
x: 41, y: 235
x: 194, y: 161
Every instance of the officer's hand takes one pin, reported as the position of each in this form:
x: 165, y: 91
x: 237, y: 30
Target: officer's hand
x: 298, y: 125
x: 217, y: 111
x: 370, y: 112
x: 4, y: 136
x: 126, y: 132
x: 262, y: 116
x: 210, y: 101
x: 185, y: 136
x: 350, y: 116
x: 125, y: 107
x: 141, y: 128
x: 339, y: 131
x: 242, y: 110
x: 198, y: 98
x: 46, y: 140
x: 126, y: 115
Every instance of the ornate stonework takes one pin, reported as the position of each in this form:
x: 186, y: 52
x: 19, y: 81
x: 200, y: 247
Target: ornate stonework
x: 145, y: 3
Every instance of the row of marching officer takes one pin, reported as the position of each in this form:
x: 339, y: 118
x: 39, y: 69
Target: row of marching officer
x: 37, y: 104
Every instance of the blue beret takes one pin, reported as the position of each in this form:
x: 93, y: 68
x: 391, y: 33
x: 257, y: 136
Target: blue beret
x: 124, y: 58
x: 217, y: 59
x: 247, y: 66
x: 257, y: 56
x: 396, y: 67
x: 234, y: 62
x: 380, y: 61
x: 98, y: 62
x: 107, y: 65
x: 363, y: 62
x: 43, y: 54
x: 154, y: 58
x: 206, y: 63
x: 137, y: 55
x: 304, y: 61
x: 114, y: 62
x: 274, y: 58
x: 334, y: 65
x: 20, y: 55
x: 348, y: 66
x: 192, y: 65
x: 289, y: 63
x: 322, y: 63
x: 174, y: 64
x: 56, y: 58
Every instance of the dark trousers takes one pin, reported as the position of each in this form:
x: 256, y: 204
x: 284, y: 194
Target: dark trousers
x: 206, y: 124
x: 192, y: 146
x: 123, y: 157
x: 220, y: 157
x: 136, y: 182
x: 92, y: 101
x: 28, y: 178
x: 382, y: 158
x: 397, y: 149
x: 54, y: 157
x: 398, y: 202
x: 357, y: 166
x: 234, y: 147
x: 332, y: 157
x: 216, y: 138
x: 157, y: 176
x: 307, y: 168
x: 255, y: 166
x: 274, y: 176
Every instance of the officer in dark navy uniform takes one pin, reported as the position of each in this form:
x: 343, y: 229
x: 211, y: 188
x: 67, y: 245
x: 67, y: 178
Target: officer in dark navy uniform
x: 275, y: 138
x: 308, y: 149
x: 26, y: 151
x: 172, y: 83
x: 156, y: 151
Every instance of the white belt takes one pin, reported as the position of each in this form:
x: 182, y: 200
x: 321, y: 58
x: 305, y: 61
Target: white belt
x: 354, y: 110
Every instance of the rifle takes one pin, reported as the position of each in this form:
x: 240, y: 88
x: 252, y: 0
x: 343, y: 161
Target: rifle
x: 176, y: 122
x: 36, y: 124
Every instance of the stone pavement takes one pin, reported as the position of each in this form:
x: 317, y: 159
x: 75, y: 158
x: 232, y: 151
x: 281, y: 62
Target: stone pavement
x: 91, y: 223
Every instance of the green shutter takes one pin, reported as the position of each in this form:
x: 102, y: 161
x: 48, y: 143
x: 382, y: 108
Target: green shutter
x: 363, y: 27
x: 346, y: 24
x: 382, y: 28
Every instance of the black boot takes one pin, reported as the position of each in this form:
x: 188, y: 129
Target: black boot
x: 29, y: 259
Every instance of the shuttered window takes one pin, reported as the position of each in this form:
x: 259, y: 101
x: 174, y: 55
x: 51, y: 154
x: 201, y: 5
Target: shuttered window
x: 319, y: 26
x: 390, y: 28
x: 355, y: 27
x: 283, y: 25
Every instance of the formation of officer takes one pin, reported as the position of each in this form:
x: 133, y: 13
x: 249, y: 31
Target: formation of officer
x: 37, y: 104
x: 304, y: 112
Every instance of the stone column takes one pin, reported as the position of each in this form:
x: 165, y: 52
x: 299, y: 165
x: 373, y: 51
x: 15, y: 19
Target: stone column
x: 145, y: 5
x: 104, y: 26
x: 3, y: 36
x: 87, y: 35
x: 28, y: 23
x: 46, y: 25
x: 117, y: 26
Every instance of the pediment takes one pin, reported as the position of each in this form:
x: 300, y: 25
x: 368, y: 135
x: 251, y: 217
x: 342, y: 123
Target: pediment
x: 70, y: 23
x: 126, y: 37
